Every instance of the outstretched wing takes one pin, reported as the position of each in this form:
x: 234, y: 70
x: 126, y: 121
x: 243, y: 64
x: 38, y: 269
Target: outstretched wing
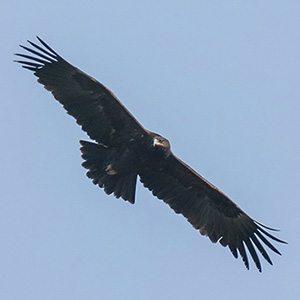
x: 93, y: 106
x: 208, y: 209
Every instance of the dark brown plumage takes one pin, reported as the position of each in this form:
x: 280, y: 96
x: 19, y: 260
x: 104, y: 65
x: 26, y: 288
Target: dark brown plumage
x: 125, y: 150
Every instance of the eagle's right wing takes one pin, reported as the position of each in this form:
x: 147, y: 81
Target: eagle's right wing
x: 94, y: 107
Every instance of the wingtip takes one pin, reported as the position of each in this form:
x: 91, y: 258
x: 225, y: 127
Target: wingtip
x: 259, y: 227
x: 267, y: 227
x: 38, y: 38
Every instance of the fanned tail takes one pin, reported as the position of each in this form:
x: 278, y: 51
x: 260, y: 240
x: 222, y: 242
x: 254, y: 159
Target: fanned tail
x: 97, y: 160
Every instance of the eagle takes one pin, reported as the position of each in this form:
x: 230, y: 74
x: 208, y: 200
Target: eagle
x: 123, y: 150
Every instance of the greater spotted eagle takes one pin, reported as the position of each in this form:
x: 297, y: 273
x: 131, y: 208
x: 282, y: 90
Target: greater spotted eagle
x: 124, y: 150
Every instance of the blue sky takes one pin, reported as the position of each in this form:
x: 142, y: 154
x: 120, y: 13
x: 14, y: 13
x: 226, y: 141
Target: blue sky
x: 219, y: 79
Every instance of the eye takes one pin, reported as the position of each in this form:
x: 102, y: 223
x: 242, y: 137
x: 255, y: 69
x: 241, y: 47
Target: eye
x: 158, y: 141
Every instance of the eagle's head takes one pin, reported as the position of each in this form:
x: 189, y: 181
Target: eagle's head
x: 161, y: 145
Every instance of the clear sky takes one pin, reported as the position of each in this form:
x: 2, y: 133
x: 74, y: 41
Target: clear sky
x: 219, y: 79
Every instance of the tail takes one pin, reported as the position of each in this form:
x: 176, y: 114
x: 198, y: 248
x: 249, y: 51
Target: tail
x: 98, y: 159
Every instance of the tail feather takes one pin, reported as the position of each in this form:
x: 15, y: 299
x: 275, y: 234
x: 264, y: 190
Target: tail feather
x: 125, y: 187
x: 98, y: 159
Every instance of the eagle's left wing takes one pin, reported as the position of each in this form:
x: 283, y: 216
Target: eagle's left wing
x: 208, y: 209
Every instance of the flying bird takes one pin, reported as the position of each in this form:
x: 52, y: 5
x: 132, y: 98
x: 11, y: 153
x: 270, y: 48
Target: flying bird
x: 124, y: 150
